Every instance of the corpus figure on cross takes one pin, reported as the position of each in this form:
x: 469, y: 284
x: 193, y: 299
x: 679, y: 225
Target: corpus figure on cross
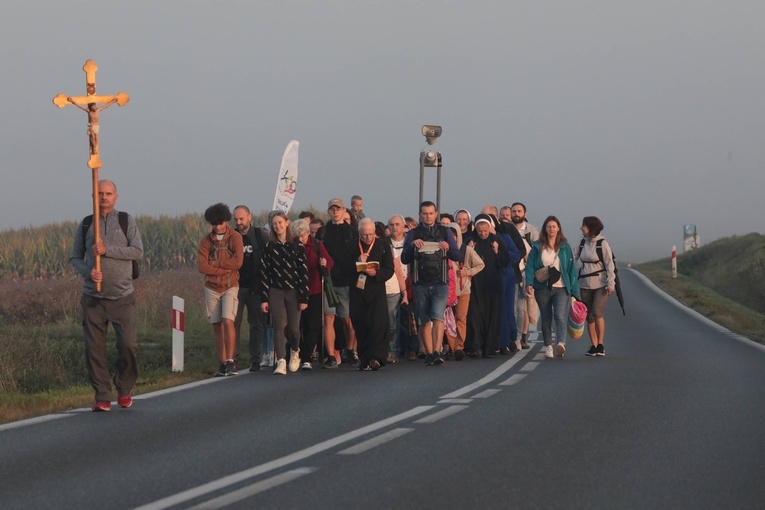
x: 92, y: 112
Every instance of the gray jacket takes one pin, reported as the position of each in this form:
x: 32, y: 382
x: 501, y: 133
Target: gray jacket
x: 116, y: 264
x: 588, y: 257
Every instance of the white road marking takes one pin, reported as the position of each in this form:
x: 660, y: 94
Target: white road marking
x: 528, y: 367
x: 256, y: 488
x: 441, y: 414
x: 507, y: 365
x: 456, y: 401
x: 375, y: 441
x: 486, y: 393
x: 515, y: 378
x: 221, y: 483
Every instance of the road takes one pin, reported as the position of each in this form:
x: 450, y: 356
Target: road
x: 671, y: 417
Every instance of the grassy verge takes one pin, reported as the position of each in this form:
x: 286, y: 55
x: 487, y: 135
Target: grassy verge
x: 726, y: 312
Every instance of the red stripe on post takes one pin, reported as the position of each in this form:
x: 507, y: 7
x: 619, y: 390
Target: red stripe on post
x: 178, y: 320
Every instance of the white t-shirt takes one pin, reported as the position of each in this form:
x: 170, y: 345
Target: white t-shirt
x: 550, y: 258
x: 391, y: 285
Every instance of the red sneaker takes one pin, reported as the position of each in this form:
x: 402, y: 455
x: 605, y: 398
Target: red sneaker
x: 125, y: 401
x: 101, y: 406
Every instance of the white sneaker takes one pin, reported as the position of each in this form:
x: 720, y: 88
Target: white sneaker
x: 548, y: 352
x: 561, y: 350
x: 281, y: 367
x: 306, y: 366
x: 294, y: 360
x: 518, y: 345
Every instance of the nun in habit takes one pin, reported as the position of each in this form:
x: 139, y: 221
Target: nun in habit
x: 486, y: 288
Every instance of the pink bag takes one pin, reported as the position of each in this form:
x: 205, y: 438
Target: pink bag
x: 450, y: 324
x: 577, y: 314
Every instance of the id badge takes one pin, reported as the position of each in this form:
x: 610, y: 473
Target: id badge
x: 361, y: 282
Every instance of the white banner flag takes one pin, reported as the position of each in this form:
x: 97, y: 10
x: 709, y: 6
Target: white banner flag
x: 288, y: 174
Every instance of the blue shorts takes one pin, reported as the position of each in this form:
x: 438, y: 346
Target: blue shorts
x: 343, y: 309
x: 430, y: 302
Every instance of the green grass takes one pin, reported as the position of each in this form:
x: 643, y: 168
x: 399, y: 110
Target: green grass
x: 724, y: 281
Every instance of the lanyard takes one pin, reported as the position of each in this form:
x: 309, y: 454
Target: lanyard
x: 370, y: 247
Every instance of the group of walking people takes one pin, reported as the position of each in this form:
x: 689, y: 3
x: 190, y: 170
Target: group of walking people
x: 368, y: 293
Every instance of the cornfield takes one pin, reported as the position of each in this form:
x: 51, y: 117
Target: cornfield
x: 169, y: 242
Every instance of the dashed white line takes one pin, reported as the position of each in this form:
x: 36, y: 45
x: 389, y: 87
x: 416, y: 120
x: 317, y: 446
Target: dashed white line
x: 374, y: 442
x: 441, y: 414
x: 486, y: 393
x: 528, y: 367
x: 507, y: 365
x: 515, y: 378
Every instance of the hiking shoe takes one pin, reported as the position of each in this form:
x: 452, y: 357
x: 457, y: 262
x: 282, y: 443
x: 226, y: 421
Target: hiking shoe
x: 221, y: 371
x: 294, y: 360
x: 593, y: 351
x: 561, y: 350
x: 306, y: 366
x: 101, y: 406
x: 281, y: 367
x: 125, y: 400
x: 231, y: 368
x: 459, y: 355
x: 524, y: 344
x: 374, y: 365
x: 330, y: 363
x: 548, y: 352
x: 601, y: 350
x: 255, y: 366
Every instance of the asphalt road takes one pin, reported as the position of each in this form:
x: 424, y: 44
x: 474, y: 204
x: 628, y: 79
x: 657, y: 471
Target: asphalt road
x: 671, y: 417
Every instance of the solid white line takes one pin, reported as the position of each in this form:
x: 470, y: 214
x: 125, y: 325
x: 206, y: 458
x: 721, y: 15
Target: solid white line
x: 487, y: 393
x: 441, y: 414
x: 694, y: 313
x: 220, y: 483
x: 528, y: 367
x: 256, y: 488
x: 32, y: 421
x: 507, y: 365
x: 374, y: 442
x: 515, y: 378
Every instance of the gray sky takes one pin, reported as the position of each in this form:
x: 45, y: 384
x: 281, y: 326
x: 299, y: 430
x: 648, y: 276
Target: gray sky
x: 647, y: 114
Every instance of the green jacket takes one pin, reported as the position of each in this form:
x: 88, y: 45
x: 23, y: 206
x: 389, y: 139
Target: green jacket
x: 567, y: 268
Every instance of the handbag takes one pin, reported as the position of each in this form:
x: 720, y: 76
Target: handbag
x: 329, y: 292
x: 547, y: 274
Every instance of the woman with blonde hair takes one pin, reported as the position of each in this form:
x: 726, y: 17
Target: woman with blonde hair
x: 284, y: 275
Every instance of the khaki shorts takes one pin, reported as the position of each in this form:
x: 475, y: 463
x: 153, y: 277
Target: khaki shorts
x: 221, y: 305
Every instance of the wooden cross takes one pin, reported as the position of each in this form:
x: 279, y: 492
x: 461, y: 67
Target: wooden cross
x: 92, y: 109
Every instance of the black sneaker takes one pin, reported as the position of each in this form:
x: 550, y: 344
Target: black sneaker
x: 221, y: 371
x: 231, y: 368
x: 601, y: 350
x: 330, y: 363
x: 354, y: 357
x: 593, y: 351
x: 459, y: 354
x: 430, y: 359
x: 437, y: 359
x: 255, y: 366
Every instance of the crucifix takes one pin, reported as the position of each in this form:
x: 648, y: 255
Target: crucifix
x: 89, y: 103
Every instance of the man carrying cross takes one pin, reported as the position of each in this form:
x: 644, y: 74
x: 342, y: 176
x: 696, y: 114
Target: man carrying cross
x: 115, y: 302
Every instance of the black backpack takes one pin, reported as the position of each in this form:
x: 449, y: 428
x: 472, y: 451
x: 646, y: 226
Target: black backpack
x: 431, y: 267
x: 87, y: 221
x: 618, y: 285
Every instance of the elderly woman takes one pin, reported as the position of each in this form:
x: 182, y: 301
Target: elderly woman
x: 369, y: 303
x: 552, y: 295
x: 597, y: 280
x: 319, y: 263
x: 285, y: 290
x: 486, y: 291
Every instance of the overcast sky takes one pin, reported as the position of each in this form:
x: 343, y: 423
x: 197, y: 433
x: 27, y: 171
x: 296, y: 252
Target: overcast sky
x: 647, y: 114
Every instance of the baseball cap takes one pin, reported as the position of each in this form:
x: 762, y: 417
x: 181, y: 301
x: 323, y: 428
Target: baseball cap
x: 336, y: 202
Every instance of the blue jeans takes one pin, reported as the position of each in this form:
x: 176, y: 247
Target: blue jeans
x: 553, y: 304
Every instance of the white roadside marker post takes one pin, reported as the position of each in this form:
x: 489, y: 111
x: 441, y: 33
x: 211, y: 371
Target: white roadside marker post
x: 674, y: 261
x: 177, y: 334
